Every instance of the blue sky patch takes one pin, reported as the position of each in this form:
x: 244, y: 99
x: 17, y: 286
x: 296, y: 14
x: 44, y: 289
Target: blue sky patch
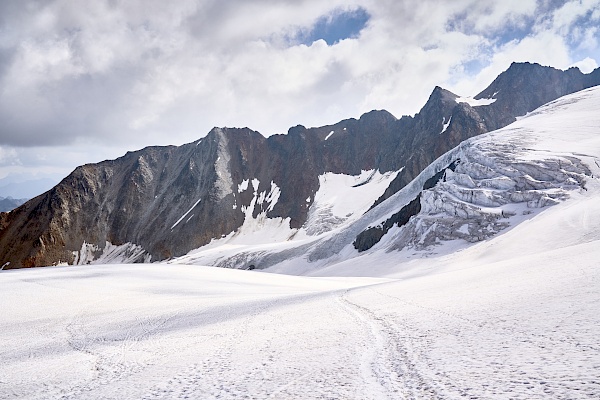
x: 337, y: 26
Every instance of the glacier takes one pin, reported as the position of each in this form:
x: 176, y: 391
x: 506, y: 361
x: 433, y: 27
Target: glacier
x: 502, y: 179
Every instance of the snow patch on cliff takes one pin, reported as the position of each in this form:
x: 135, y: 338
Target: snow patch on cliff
x: 343, y: 198
x: 243, y: 186
x: 110, y: 254
x: 266, y: 200
x: 186, y: 213
x: 475, y: 102
x: 446, y: 124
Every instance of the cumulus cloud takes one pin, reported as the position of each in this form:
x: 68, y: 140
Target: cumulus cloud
x: 126, y: 74
x: 586, y: 65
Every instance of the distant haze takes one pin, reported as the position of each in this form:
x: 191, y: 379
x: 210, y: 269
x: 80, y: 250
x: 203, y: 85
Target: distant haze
x: 26, y: 189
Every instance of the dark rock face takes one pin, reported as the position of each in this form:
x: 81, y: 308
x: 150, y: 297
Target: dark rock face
x: 525, y: 87
x: 170, y: 200
x: 370, y: 237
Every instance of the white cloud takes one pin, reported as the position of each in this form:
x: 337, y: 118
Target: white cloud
x: 487, y: 17
x: 564, y: 18
x: 557, y: 39
x: 586, y: 65
x: 143, y: 72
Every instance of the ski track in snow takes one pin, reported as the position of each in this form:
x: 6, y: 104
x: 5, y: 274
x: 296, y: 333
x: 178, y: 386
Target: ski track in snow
x: 262, y: 375
x: 144, y: 332
x: 387, y: 369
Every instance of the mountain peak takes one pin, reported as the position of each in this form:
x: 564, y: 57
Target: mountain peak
x: 162, y: 202
x: 441, y: 94
x: 377, y: 116
x: 441, y: 101
x: 526, y: 86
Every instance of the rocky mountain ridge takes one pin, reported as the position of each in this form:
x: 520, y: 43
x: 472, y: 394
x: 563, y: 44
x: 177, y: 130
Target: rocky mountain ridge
x: 161, y: 202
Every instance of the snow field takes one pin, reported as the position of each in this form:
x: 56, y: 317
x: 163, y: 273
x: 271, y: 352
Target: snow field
x: 156, y: 331
x: 476, y: 324
x: 516, y: 330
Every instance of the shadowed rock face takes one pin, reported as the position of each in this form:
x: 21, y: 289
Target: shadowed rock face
x: 170, y: 200
x: 525, y: 87
x: 371, y: 236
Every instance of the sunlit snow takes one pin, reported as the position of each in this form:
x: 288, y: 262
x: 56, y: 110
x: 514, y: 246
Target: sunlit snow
x: 186, y: 213
x: 243, y: 186
x: 475, y: 102
x: 446, y: 124
x: 343, y: 198
x: 110, y: 254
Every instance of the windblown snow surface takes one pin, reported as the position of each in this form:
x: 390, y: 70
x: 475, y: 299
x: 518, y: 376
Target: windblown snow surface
x: 512, y: 316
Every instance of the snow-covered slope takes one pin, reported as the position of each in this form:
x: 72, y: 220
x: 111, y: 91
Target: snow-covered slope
x: 514, y: 316
x: 547, y: 163
x: 340, y: 201
x: 495, y: 181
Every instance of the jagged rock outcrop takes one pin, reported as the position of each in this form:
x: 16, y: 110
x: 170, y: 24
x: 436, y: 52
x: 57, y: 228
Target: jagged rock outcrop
x: 161, y: 202
x: 518, y: 91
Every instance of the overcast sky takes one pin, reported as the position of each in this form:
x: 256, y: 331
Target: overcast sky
x: 82, y: 81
